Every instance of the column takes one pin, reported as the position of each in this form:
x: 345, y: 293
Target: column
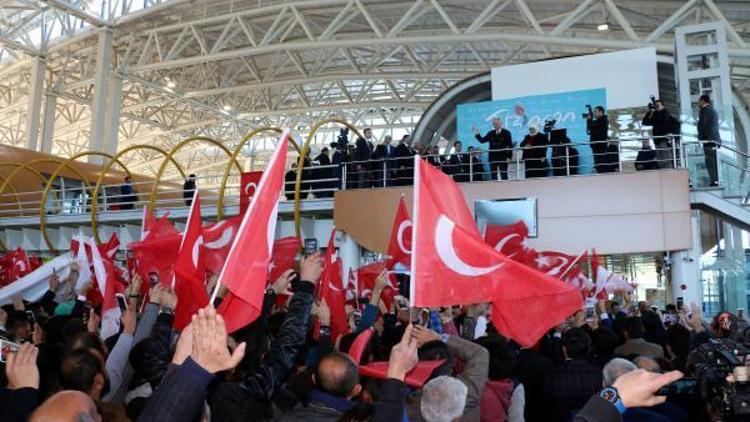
x: 101, y: 88
x: 686, y: 271
x: 350, y: 255
x: 48, y: 127
x: 735, y: 273
x: 36, y: 88
x: 114, y: 103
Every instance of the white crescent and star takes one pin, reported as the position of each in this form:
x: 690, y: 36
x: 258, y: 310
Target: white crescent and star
x: 447, y: 252
x: 501, y: 244
x: 400, y: 235
x: 222, y: 241
x: 250, y: 185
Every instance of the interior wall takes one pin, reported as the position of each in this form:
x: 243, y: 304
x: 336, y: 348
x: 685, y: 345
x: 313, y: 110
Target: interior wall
x: 614, y: 213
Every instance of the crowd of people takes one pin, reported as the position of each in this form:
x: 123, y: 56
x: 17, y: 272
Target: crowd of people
x: 543, y: 152
x: 607, y: 362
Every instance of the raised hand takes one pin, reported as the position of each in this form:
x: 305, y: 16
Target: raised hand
x: 169, y: 298
x: 281, y: 285
x: 310, y: 268
x: 154, y: 294
x: 210, y: 349
x: 184, y: 345
x: 21, y: 369
x: 403, y: 355
x: 638, y: 388
x: 424, y: 335
x: 323, y: 312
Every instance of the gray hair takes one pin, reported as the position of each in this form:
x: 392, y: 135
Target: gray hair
x: 443, y: 399
x: 615, y: 368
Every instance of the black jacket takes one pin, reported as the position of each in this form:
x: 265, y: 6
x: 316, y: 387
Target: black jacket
x: 662, y: 123
x: 458, y: 166
x: 498, y: 141
x: 598, y: 129
x: 363, y: 150
x: 180, y: 395
x: 646, y: 160
x: 188, y: 189
x: 708, y: 125
x: 538, y: 142
x: 250, y: 397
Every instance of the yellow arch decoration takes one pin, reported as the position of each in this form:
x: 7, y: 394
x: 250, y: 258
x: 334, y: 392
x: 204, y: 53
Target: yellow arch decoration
x: 173, y: 151
x: 13, y: 189
x: 228, y: 167
x: 27, y: 166
x: 301, y: 164
x: 107, y: 167
x: 54, y: 175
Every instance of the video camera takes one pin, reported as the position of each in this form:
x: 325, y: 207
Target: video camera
x: 652, y: 104
x: 549, y: 125
x: 714, y: 361
x: 342, y: 141
x: 590, y: 112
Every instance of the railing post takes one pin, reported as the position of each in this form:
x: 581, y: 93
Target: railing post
x: 619, y: 155
x: 674, y: 150
x: 567, y: 160
x: 385, y: 173
x: 343, y: 176
x: 518, y: 164
x: 471, y: 170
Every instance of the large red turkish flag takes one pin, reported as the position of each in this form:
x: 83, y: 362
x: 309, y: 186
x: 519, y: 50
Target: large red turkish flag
x: 156, y: 254
x: 399, y: 248
x: 366, y: 276
x: 246, y: 269
x: 189, y: 273
x: 451, y: 265
x: 248, y: 185
x: 217, y: 239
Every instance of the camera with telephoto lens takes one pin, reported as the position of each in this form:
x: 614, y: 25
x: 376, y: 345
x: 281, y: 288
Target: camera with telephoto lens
x: 343, y: 138
x: 549, y: 125
x: 652, y: 104
x: 590, y: 112
x: 713, y: 362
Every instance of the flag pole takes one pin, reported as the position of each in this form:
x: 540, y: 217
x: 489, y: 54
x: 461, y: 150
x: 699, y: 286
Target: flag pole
x: 573, y: 264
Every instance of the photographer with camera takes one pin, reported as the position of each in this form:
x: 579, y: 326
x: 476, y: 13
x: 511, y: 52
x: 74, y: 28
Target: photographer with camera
x: 663, y: 125
x: 597, y: 126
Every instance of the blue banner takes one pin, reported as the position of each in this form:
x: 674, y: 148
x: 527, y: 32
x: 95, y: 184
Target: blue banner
x: 518, y: 114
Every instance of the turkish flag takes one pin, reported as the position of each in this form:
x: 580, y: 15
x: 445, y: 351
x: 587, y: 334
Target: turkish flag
x: 110, y: 248
x: 511, y: 241
x: 156, y: 254
x: 248, y: 185
x: 246, y: 270
x: 16, y: 265
x: 366, y: 276
x: 189, y: 273
x: 151, y: 227
x: 451, y: 265
x: 217, y: 239
x: 399, y: 248
x: 284, y: 254
x: 331, y: 289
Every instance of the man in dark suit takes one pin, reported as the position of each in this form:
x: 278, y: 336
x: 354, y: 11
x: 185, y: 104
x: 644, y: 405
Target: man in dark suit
x: 458, y: 164
x: 385, y: 154
x: 128, y: 196
x: 571, y: 384
x: 434, y: 157
x: 708, y: 133
x: 534, y: 148
x: 323, y: 173
x: 501, y: 148
x: 477, y: 168
x: 362, y: 154
x: 597, y: 126
x: 405, y: 161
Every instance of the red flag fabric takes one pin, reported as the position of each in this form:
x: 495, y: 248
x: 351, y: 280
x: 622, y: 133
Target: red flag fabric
x: 451, y: 265
x: 331, y: 289
x: 284, y: 253
x: 399, y: 248
x: 35, y: 261
x: 417, y: 377
x: 153, y: 228
x: 511, y: 241
x: 110, y: 248
x: 18, y: 265
x: 189, y: 273
x: 157, y: 254
x: 248, y: 185
x: 246, y: 269
x: 366, y: 276
x: 217, y: 239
